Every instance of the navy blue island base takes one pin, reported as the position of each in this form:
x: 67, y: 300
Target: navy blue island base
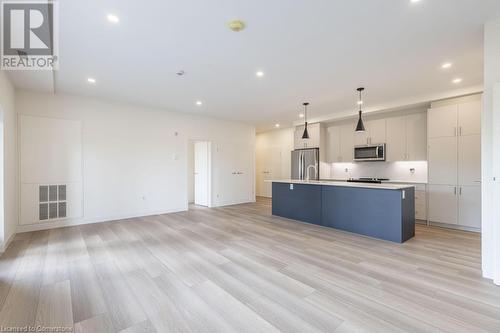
x: 383, y: 213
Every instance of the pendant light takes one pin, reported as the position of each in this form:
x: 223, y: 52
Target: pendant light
x: 306, y: 133
x: 360, y: 127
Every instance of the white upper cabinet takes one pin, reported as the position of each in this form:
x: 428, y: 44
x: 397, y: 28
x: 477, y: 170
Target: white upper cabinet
x: 442, y: 121
x: 469, y: 160
x: 377, y: 130
x: 362, y: 138
x: 469, y: 118
x: 416, y: 137
x: 396, y: 139
x: 374, y: 134
x: 347, y: 142
x: 443, y: 161
x: 340, y: 143
x: 314, y: 140
x: 333, y: 154
x: 407, y: 138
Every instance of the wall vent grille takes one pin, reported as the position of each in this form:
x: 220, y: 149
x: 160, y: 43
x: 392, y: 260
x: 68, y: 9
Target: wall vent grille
x: 52, y: 202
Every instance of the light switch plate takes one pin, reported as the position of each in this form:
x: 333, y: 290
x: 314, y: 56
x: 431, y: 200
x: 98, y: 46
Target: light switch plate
x: 291, y: 187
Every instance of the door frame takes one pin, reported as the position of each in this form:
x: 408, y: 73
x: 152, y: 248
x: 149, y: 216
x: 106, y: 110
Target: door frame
x: 210, y: 174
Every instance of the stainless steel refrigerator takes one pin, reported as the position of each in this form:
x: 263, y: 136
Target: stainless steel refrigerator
x: 305, y: 164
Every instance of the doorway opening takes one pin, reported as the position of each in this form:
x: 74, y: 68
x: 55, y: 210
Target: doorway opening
x: 199, y: 172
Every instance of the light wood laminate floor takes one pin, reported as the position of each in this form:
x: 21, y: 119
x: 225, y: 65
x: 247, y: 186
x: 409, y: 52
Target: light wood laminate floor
x: 238, y: 269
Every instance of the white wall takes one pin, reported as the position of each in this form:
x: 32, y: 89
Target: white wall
x: 491, y: 154
x: 135, y: 158
x: 9, y: 179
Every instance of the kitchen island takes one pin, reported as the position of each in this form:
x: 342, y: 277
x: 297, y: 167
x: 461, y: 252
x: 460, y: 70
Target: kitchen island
x: 384, y: 211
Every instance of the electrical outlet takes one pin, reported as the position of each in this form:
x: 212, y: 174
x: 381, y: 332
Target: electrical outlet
x: 412, y: 170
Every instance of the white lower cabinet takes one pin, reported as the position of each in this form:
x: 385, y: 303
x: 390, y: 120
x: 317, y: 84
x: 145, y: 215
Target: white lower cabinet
x: 469, y: 206
x: 456, y: 205
x: 443, y: 204
x: 420, y: 204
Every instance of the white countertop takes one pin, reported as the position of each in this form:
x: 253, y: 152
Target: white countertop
x: 385, y: 186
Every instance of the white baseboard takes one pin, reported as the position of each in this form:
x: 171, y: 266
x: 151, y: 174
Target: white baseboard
x: 232, y: 203
x: 74, y: 222
x: 6, y: 244
x: 454, y: 226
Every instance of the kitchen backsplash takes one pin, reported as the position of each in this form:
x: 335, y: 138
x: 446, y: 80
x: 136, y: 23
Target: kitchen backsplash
x: 404, y: 171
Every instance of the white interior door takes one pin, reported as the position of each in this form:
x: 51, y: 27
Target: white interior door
x: 268, y: 168
x: 201, y: 173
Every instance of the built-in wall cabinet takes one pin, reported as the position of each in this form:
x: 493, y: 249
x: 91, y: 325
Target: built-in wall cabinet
x: 340, y: 143
x: 407, y: 137
x: 454, y: 161
x: 375, y: 133
x: 315, y: 136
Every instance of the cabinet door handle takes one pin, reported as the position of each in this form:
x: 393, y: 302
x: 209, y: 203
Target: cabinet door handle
x: 454, y: 131
x: 455, y: 190
x: 460, y: 130
x: 460, y: 191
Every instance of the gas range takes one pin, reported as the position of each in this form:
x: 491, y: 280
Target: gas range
x: 368, y: 180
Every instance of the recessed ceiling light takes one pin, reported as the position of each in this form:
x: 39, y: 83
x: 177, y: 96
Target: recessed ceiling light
x: 457, y: 80
x: 414, y: 1
x: 199, y: 103
x: 113, y: 18
x: 301, y: 115
x: 277, y: 125
x: 259, y: 73
x: 91, y: 80
x: 446, y: 65
x: 236, y: 25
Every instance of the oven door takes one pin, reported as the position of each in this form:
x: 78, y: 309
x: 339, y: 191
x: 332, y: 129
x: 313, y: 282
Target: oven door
x: 369, y: 153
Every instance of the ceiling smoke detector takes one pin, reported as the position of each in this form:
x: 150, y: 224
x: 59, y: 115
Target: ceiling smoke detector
x: 236, y: 25
x: 181, y: 73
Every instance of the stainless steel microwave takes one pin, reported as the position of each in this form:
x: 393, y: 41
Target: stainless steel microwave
x: 370, y: 153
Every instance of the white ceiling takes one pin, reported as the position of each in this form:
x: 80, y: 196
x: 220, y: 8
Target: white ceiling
x: 314, y: 50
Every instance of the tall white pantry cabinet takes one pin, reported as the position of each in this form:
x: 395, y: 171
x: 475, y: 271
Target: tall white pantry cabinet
x: 454, y: 162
